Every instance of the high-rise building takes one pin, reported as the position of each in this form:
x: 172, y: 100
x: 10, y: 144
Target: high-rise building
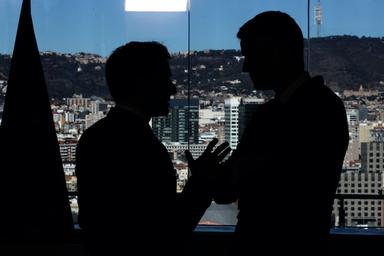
x: 246, y: 109
x: 360, y: 212
x: 96, y: 106
x: 372, y: 157
x: 68, y: 149
x: 352, y: 116
x: 77, y: 102
x: 231, y: 116
x: 238, y: 112
x: 365, y: 132
x: 69, y: 117
x: 363, y: 112
x: 377, y: 133
x: 174, y: 127
x: 353, y: 123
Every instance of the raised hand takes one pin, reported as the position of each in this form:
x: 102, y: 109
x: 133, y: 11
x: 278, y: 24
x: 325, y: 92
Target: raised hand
x: 207, y: 165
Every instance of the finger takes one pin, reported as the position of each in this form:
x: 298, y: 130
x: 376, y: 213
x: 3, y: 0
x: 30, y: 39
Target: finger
x: 211, y: 145
x: 223, y: 154
x: 189, y: 156
x: 221, y: 148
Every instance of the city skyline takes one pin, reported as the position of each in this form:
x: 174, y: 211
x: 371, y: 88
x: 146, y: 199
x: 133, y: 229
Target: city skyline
x: 99, y: 26
x: 362, y: 175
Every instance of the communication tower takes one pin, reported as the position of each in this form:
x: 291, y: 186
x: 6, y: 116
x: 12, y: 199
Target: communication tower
x: 318, y: 17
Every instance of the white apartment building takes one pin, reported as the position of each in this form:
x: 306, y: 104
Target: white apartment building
x: 69, y: 169
x: 78, y: 102
x: 231, y: 114
x: 353, y: 123
x: 210, y: 116
x: 69, y: 117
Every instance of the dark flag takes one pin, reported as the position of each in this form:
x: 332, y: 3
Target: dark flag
x: 34, y: 197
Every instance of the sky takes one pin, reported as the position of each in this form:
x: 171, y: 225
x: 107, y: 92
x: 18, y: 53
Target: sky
x: 99, y: 26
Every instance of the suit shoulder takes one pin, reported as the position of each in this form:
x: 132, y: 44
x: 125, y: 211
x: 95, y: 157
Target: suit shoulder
x: 333, y: 98
x: 94, y: 133
x: 320, y: 92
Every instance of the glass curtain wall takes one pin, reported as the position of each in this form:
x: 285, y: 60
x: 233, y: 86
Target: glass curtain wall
x: 345, y: 46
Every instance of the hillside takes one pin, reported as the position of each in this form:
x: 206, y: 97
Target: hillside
x: 346, y: 62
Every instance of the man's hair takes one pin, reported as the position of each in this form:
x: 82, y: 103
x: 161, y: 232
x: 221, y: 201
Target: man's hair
x: 131, y: 63
x: 278, y: 26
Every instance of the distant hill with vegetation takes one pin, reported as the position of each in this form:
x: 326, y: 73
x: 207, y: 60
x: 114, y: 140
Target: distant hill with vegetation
x: 346, y: 62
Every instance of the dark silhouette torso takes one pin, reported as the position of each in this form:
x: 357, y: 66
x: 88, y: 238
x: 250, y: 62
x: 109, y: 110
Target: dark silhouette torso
x: 127, y: 185
x: 290, y: 159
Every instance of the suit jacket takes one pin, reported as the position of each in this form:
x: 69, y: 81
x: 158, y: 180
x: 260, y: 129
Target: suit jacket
x: 288, y: 164
x: 127, y: 188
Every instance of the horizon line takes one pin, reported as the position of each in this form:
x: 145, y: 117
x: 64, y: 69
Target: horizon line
x: 199, y: 50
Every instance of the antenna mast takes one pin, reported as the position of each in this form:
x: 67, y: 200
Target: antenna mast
x: 318, y: 17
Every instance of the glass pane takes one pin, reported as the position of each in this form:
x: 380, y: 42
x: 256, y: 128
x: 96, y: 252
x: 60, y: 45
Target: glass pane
x: 227, y: 97
x: 75, y: 38
x: 346, y: 49
x: 75, y: 45
x: 9, y: 12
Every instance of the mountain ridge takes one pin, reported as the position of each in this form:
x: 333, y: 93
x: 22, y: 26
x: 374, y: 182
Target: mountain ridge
x: 346, y: 62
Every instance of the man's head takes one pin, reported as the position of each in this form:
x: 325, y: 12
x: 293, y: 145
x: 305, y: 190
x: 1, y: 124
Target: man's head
x: 272, y: 46
x: 138, y: 76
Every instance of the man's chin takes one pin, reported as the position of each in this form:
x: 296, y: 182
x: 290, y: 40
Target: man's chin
x: 262, y: 84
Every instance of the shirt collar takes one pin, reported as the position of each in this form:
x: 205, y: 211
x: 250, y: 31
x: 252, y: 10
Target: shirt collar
x: 130, y: 110
x: 286, y: 95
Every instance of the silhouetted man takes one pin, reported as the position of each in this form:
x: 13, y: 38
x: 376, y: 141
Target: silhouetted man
x: 289, y: 160
x: 126, y: 180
